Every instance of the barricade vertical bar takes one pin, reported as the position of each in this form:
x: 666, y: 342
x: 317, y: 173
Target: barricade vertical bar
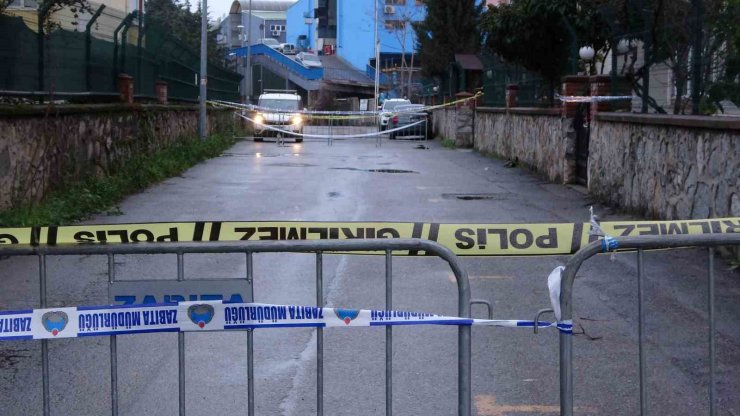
x: 181, y: 342
x: 250, y: 338
x: 331, y: 131
x: 464, y: 348
x: 44, y: 343
x: 113, y: 347
x: 566, y: 374
x: 388, y: 334
x: 319, y: 336
x: 641, y: 329
x: 712, y: 346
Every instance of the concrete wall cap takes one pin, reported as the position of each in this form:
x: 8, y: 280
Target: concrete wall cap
x: 707, y: 122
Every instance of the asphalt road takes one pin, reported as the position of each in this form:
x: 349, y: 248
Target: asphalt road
x: 515, y: 372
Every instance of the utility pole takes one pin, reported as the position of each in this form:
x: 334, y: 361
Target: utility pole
x: 377, y: 57
x: 202, y: 119
x: 243, y: 65
x: 249, y: 53
x: 696, y: 54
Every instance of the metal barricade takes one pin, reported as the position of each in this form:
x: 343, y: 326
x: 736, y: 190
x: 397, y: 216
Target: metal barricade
x: 639, y: 244
x: 249, y: 248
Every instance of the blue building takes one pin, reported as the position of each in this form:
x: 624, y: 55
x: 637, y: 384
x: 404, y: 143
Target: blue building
x: 346, y: 27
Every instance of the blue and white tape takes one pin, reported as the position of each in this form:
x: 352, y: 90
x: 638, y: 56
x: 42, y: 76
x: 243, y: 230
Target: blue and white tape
x: 609, y: 244
x: 84, y: 321
x: 290, y: 134
x: 591, y: 98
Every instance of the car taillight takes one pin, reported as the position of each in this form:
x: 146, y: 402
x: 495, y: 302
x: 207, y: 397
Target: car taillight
x: 395, y: 119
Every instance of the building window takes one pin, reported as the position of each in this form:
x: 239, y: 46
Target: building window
x: 394, y: 24
x: 395, y: 2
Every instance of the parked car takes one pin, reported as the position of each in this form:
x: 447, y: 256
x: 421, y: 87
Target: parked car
x: 386, y: 111
x: 287, y: 48
x: 308, y: 60
x: 407, y: 115
x: 286, y: 105
x: 274, y: 44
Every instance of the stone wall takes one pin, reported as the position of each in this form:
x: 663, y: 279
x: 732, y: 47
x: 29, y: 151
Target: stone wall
x: 444, y: 122
x: 668, y: 167
x: 658, y: 166
x: 42, y: 147
x: 530, y: 136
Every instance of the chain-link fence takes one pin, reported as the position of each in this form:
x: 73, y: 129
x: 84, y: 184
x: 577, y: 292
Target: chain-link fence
x: 83, y: 54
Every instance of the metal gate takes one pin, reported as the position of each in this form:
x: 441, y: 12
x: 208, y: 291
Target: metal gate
x: 249, y: 249
x: 582, y: 130
x: 639, y: 244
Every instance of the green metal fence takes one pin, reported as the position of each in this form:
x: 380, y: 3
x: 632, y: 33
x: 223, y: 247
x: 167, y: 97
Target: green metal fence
x: 82, y: 59
x: 497, y: 74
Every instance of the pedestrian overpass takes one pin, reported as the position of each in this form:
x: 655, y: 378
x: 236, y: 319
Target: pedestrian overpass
x: 336, y: 75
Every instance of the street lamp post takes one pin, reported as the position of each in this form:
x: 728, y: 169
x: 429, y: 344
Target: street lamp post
x: 587, y: 53
x: 249, y: 53
x: 376, y: 53
x: 202, y: 119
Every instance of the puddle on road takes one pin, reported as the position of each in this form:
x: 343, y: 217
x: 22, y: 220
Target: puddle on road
x: 391, y: 171
x: 477, y: 197
x: 258, y: 154
x: 378, y: 170
x: 292, y: 165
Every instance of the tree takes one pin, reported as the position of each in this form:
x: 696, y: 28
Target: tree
x: 400, y: 28
x: 544, y: 36
x: 722, y: 52
x: 449, y: 27
x: 48, y: 7
x: 666, y: 31
x: 178, y: 21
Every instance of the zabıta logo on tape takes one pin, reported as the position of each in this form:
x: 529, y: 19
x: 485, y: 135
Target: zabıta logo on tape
x: 54, y: 321
x: 200, y: 314
x: 347, y: 315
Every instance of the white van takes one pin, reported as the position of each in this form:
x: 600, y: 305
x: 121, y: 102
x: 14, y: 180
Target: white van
x: 279, y: 109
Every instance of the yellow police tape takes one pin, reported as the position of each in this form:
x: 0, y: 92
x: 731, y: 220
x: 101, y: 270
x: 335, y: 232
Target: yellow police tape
x: 462, y: 239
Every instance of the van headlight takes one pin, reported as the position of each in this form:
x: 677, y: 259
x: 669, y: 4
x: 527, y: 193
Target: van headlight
x: 297, y: 120
x: 259, y: 119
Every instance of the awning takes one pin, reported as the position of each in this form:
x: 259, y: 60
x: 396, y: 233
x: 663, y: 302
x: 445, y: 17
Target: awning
x: 469, y: 62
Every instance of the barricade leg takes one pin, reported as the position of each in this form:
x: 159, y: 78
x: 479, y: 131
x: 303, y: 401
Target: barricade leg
x: 331, y: 132
x: 641, y: 329
x: 388, y: 334
x: 113, y: 347
x: 44, y: 343
x: 712, y: 346
x: 250, y: 338
x: 566, y: 374
x: 464, y: 380
x: 319, y: 336
x: 181, y: 344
